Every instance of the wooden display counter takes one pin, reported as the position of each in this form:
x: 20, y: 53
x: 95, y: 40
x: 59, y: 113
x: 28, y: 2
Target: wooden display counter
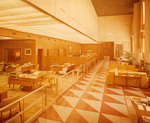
x: 77, y: 60
x: 136, y: 79
x: 23, y: 81
x: 27, y: 82
x: 126, y: 79
x: 23, y: 69
x: 10, y: 69
x: 56, y: 68
x: 60, y: 68
x: 27, y: 68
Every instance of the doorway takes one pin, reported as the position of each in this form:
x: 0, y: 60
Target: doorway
x: 40, y: 58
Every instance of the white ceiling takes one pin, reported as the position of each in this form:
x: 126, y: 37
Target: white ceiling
x: 18, y: 15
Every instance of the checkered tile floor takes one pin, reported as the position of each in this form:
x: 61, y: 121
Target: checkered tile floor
x: 90, y: 100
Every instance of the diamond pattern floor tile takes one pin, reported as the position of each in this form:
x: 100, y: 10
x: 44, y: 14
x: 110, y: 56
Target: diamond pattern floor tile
x: 91, y: 117
x: 71, y: 100
x: 117, y: 119
x: 89, y: 100
x: 119, y: 98
x: 63, y: 111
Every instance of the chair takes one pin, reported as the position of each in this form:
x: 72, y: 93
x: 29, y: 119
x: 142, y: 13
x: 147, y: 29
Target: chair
x: 1, y: 67
x: 36, y: 67
x: 50, y: 76
x: 64, y: 70
x: 50, y: 82
x: 11, y: 110
x: 18, y: 69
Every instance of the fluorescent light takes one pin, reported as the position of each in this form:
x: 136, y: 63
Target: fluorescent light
x: 143, y: 45
x: 133, y: 46
x: 143, y: 12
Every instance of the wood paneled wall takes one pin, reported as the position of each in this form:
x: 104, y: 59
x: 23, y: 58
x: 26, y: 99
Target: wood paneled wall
x: 93, y: 47
x: 107, y: 49
x: 42, y: 42
x: 136, y: 27
x: 116, y: 29
x: 118, y: 50
x: 19, y: 44
x: 47, y: 44
x: 147, y: 31
x: 141, y: 30
x: 50, y: 43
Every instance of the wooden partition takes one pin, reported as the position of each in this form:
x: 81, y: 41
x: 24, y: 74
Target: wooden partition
x: 88, y: 61
x: 64, y: 59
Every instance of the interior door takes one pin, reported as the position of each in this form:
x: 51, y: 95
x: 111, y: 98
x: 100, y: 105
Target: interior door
x: 40, y: 58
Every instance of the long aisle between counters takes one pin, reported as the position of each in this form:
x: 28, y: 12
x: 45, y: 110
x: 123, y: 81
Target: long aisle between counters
x: 90, y: 100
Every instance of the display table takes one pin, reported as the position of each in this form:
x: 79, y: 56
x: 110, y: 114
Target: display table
x: 126, y: 79
x: 27, y: 82
x: 3, y: 93
x: 10, y: 69
x: 27, y: 68
x: 60, y: 68
x: 23, y: 69
x: 87, y: 59
x: 56, y: 68
x: 136, y: 79
x: 141, y: 108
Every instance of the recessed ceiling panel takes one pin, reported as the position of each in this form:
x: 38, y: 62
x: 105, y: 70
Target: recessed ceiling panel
x: 18, y: 15
x: 113, y: 7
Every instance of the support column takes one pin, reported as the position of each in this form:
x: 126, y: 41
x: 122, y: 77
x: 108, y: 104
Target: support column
x: 147, y: 31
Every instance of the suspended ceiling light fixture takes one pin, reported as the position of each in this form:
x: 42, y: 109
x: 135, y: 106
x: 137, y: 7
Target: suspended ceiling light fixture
x: 143, y: 12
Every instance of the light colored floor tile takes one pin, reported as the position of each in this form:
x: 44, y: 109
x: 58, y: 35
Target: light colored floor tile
x: 84, y: 82
x: 83, y: 87
x: 138, y: 93
x: 117, y: 97
x: 91, y: 117
x: 135, y: 88
x: 97, y: 95
x: 117, y: 119
x: 119, y: 107
x: 77, y: 92
x: 93, y: 103
x: 62, y: 111
x: 71, y: 100
x: 119, y: 91
x: 99, y: 84
x: 100, y: 89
